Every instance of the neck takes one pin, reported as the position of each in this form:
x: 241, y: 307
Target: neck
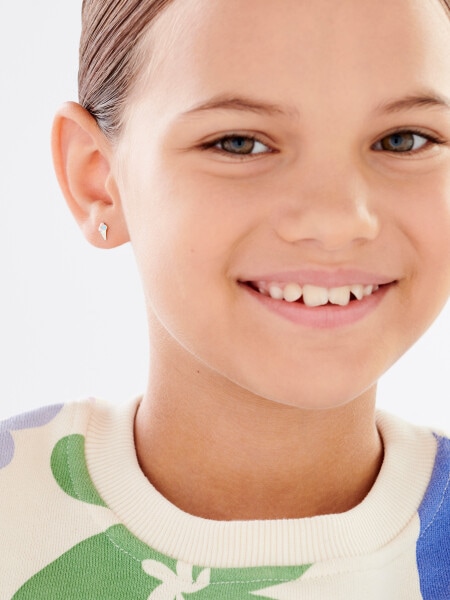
x: 227, y: 456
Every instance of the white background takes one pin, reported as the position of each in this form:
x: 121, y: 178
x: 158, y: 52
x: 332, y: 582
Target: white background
x: 72, y: 321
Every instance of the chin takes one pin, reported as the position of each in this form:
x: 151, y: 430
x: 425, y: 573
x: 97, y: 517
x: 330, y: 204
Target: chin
x: 324, y: 395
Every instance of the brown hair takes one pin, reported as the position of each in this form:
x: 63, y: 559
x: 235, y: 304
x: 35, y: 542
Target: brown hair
x: 109, y: 65
x: 111, y: 30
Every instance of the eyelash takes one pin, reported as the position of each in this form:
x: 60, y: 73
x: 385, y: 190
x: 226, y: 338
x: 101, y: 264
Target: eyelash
x: 427, y: 136
x: 213, y: 145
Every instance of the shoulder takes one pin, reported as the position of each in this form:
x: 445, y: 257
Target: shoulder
x: 433, y: 543
x: 434, y: 510
x: 37, y: 431
x: 425, y: 455
x: 45, y: 491
x: 420, y: 459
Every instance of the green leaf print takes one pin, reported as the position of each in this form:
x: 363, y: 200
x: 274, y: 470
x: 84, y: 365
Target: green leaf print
x: 68, y: 464
x: 107, y: 566
x: 115, y: 565
x: 250, y: 582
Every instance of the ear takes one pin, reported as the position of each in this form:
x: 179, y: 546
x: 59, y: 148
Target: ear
x: 82, y: 157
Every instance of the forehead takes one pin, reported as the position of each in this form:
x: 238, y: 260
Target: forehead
x: 297, y: 51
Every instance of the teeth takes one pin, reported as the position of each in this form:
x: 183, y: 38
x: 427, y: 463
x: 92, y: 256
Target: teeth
x: 314, y: 296
x: 276, y: 292
x: 357, y: 291
x: 292, y: 292
x: 339, y: 295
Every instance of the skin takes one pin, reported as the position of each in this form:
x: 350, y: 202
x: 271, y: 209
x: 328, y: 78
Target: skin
x: 247, y: 415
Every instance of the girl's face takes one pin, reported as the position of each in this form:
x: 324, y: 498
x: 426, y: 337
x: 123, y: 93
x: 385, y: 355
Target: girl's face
x: 292, y: 143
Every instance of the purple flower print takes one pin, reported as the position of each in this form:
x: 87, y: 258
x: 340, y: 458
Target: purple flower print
x: 29, y: 420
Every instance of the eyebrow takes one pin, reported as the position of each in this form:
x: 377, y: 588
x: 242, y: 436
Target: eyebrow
x: 242, y: 103
x: 420, y: 100
x: 246, y: 104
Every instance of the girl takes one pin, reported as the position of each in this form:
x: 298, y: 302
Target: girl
x: 282, y: 170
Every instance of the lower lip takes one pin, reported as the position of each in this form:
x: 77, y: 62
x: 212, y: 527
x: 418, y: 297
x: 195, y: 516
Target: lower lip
x: 322, y: 317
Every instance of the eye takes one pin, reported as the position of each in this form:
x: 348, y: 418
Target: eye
x: 405, y: 142
x: 239, y: 144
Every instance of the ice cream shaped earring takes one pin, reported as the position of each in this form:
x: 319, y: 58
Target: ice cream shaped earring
x: 103, y: 228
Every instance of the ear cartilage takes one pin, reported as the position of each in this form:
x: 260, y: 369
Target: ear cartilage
x: 103, y: 228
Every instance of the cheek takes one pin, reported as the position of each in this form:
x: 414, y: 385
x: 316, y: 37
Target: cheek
x: 425, y: 222
x: 418, y: 205
x: 428, y: 219
x: 190, y: 218
x: 184, y: 234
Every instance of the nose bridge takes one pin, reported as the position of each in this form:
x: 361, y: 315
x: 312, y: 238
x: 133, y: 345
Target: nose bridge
x: 329, y: 202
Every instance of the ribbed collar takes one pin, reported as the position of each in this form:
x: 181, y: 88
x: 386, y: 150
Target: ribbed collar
x: 409, y: 453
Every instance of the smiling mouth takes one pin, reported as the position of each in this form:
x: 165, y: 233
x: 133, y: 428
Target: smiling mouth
x: 313, y: 295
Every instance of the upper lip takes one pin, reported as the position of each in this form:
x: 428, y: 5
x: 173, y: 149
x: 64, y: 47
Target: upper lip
x: 326, y: 279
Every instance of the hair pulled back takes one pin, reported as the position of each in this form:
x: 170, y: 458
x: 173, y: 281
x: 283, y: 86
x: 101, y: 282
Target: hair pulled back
x: 111, y: 30
x: 109, y: 66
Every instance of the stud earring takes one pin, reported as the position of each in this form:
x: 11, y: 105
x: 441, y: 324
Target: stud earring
x: 103, y: 228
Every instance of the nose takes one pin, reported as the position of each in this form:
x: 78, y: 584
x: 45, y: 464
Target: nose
x: 330, y: 209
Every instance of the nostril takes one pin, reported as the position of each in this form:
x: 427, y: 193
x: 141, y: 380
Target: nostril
x: 332, y: 226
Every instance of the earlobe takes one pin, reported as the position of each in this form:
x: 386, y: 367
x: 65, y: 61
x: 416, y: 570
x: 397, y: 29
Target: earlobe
x: 82, y: 159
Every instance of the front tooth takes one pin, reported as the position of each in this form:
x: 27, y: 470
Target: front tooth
x: 314, y: 296
x: 276, y: 292
x: 357, y: 291
x: 368, y: 289
x: 339, y: 295
x: 292, y: 292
